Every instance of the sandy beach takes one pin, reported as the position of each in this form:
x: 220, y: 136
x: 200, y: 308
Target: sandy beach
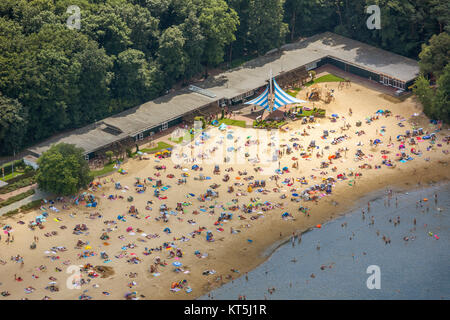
x: 230, y: 255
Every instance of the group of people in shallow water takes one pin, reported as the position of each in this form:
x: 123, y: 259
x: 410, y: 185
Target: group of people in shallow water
x: 386, y: 239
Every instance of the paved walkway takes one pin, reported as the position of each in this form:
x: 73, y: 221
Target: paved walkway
x: 38, y: 195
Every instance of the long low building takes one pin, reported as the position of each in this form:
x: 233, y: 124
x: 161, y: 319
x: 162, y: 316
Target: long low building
x: 236, y: 85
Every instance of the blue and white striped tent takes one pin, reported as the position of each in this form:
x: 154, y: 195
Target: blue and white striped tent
x: 281, y: 98
x: 262, y: 100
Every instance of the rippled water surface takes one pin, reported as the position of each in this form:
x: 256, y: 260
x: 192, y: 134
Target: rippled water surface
x: 414, y: 269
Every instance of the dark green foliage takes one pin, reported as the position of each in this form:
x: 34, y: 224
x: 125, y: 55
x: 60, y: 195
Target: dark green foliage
x: 202, y: 119
x: 435, y: 55
x: 24, y: 182
x: 435, y: 101
x: 63, y: 170
x: 127, y: 52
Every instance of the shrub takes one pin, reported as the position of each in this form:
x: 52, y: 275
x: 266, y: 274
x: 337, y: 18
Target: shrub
x: 17, y: 198
x: 109, y: 154
x: 202, y: 119
x: 8, y: 166
x: 18, y: 184
x: 129, y: 153
x: 21, y: 177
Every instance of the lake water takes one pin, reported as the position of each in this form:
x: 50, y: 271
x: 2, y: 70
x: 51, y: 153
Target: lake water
x: 415, y: 269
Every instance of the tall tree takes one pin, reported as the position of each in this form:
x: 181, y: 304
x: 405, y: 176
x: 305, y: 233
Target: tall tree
x: 435, y: 55
x: 218, y: 23
x: 193, y: 46
x: 171, y: 55
x: 63, y: 170
x: 266, y: 27
x: 13, y: 120
x: 108, y: 28
x: 133, y: 81
x: 441, y: 100
x: 424, y: 93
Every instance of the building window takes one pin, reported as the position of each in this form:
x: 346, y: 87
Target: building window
x: 86, y: 157
x: 141, y: 136
x: 164, y: 126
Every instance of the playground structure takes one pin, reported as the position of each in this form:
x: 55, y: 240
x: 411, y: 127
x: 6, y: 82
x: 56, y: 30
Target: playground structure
x: 315, y: 93
x: 329, y: 97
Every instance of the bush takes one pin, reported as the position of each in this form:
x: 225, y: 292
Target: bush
x: 202, y: 119
x: 129, y: 153
x: 8, y: 166
x: 109, y: 154
x: 25, y: 208
x: 21, y: 177
x: 18, y: 184
x: 31, y: 205
x: 17, y: 198
x: 11, y: 213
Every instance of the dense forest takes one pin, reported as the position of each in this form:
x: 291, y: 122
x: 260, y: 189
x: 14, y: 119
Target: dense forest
x: 54, y: 78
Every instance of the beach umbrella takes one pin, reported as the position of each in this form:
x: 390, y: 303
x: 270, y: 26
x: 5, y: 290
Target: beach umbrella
x: 295, y: 194
x: 177, y: 264
x: 334, y: 115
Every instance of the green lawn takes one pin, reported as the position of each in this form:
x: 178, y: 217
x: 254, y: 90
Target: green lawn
x: 326, y: 78
x: 293, y: 94
x: 10, y: 175
x: 161, y: 146
x: 106, y: 169
x: 231, y: 122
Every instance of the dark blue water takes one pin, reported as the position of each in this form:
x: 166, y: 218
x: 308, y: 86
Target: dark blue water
x: 415, y: 269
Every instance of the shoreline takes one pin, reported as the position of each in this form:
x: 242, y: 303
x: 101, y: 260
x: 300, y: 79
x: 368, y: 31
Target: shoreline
x: 243, y: 251
x: 272, y: 249
x: 404, y: 186
x: 340, y: 264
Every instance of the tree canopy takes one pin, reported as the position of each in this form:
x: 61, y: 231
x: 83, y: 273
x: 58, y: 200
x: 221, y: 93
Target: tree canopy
x: 130, y: 51
x: 63, y: 170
